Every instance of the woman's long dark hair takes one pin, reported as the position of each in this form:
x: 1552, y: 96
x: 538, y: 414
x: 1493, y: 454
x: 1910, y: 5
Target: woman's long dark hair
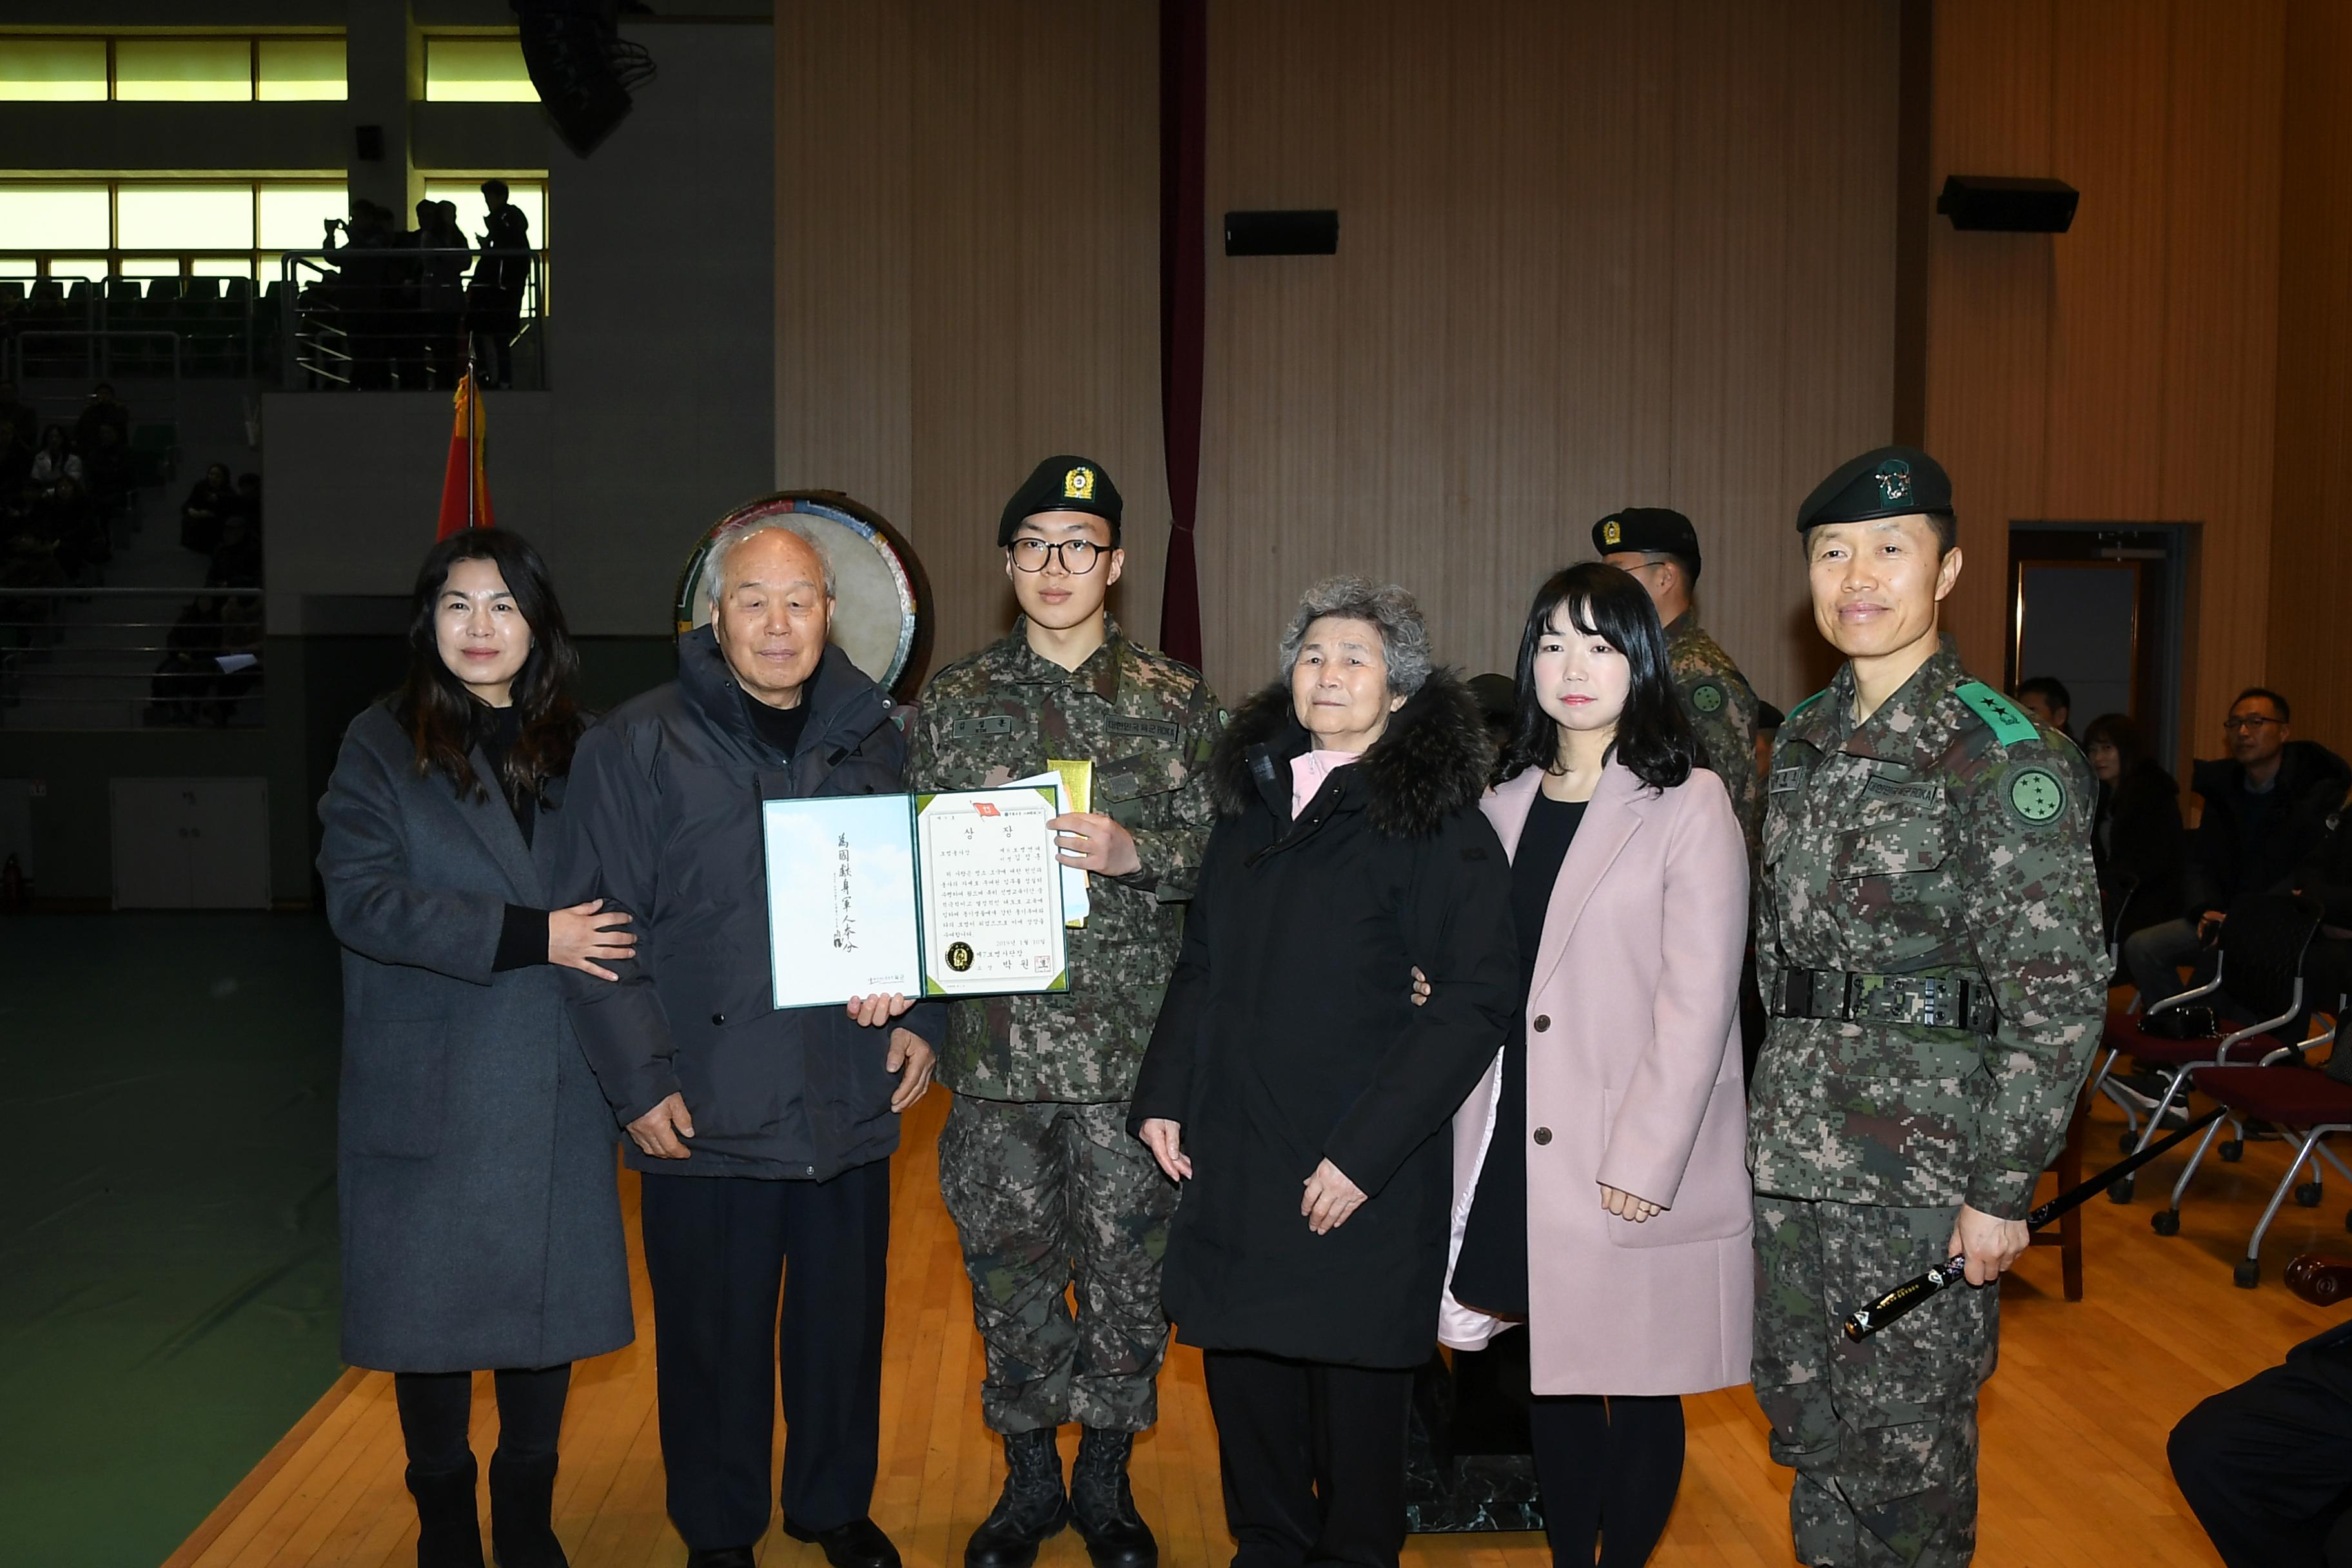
x: 2119, y: 730
x: 1653, y: 737
x: 446, y: 721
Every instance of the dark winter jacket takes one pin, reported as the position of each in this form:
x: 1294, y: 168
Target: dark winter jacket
x: 665, y: 802
x: 2224, y: 862
x: 2137, y: 845
x: 1288, y: 1035
x: 482, y: 1225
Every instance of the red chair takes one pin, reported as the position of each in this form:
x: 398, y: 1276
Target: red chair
x: 2294, y: 1097
x: 2257, y: 973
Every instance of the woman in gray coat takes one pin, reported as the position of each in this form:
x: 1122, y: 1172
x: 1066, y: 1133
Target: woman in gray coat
x: 480, y: 1224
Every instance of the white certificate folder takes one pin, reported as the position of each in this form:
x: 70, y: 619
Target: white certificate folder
x: 956, y: 894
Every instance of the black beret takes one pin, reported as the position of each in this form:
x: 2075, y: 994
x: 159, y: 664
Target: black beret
x: 1661, y: 528
x: 1892, y: 482
x: 1062, y: 484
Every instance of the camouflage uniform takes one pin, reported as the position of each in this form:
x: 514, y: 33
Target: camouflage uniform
x: 1927, y: 938
x: 1721, y: 707
x: 1038, y: 1170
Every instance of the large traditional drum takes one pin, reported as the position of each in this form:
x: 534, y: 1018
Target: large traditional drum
x: 882, y: 605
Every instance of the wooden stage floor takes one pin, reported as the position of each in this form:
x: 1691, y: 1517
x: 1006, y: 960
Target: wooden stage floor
x: 2074, y: 1422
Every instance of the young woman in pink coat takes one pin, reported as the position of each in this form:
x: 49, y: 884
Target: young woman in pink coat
x: 1602, y: 1189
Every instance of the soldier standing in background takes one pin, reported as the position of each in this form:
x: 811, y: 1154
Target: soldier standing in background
x: 1660, y: 548
x: 1045, y: 1184
x: 1928, y: 936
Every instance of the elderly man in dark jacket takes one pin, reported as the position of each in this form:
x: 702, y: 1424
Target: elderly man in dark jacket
x: 2265, y: 808
x: 763, y: 1134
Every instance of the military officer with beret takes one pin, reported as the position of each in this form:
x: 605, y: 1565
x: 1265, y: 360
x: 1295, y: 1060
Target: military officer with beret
x: 1046, y: 1184
x: 1658, y: 545
x: 1928, y: 943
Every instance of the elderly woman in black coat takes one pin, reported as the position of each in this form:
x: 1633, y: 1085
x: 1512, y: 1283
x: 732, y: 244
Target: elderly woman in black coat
x: 1296, y: 1090
x: 481, y: 1225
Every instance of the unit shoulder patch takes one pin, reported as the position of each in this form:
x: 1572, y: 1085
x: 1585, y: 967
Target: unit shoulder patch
x: 1707, y: 696
x: 2037, y: 794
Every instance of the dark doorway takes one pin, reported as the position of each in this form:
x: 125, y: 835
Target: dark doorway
x: 2100, y: 606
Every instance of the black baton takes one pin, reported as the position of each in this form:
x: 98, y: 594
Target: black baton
x: 1867, y: 1321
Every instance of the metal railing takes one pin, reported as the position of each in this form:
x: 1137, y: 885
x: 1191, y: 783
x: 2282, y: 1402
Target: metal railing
x: 103, y: 351
x: 126, y: 659
x: 362, y: 319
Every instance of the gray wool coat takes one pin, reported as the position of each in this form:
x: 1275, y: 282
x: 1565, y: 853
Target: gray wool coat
x: 481, y: 1225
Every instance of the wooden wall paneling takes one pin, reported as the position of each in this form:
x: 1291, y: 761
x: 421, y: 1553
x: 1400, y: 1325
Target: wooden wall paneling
x: 967, y: 275
x: 1566, y: 282
x: 2215, y: 450
x: 2311, y: 556
x: 2110, y: 100
x: 1990, y: 298
x: 844, y: 350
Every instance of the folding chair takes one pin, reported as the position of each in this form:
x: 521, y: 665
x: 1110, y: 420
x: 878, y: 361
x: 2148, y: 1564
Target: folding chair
x: 2294, y: 1097
x: 2257, y: 973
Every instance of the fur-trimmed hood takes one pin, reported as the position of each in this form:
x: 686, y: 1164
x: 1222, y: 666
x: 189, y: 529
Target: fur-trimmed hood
x: 1429, y: 764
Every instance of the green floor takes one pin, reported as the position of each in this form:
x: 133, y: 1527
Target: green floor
x: 167, y: 1236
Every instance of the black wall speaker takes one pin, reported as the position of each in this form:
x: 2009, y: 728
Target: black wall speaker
x: 1289, y: 233
x: 581, y: 66
x: 2011, y: 206
x: 368, y: 144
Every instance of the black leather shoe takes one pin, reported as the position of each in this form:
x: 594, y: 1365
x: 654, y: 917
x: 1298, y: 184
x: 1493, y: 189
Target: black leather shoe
x: 721, y: 1557
x: 1032, y: 1508
x: 1103, y: 1507
x: 860, y: 1543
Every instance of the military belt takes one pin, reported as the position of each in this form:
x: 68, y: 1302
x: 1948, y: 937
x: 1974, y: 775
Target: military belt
x: 1951, y: 1000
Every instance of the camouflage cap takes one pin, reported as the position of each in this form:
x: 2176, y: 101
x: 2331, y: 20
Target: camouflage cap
x: 1890, y: 482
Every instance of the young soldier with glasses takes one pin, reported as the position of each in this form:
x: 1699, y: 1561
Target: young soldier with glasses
x: 1045, y: 1185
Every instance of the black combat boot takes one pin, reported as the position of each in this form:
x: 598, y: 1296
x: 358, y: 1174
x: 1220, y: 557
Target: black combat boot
x: 1102, y: 1505
x: 522, y: 1501
x: 449, y: 1532
x: 1031, y: 1508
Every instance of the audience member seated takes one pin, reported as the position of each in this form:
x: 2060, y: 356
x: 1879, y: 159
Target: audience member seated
x: 2046, y: 698
x: 236, y: 564
x: 2266, y: 806
x: 108, y: 470
x: 55, y: 460
x: 20, y: 427
x: 103, y: 410
x: 2137, y: 839
x: 205, y: 512
x: 69, y: 520
x: 2325, y: 874
x: 184, y: 678
x: 2267, y: 1466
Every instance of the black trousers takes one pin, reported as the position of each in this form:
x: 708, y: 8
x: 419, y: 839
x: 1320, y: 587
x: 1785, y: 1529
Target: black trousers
x: 717, y: 1252
x: 2267, y: 1466
x: 1610, y: 1468
x: 436, y: 1408
x: 1313, y: 1458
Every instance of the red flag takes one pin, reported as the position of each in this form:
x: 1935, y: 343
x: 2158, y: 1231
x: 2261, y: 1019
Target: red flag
x: 465, y: 484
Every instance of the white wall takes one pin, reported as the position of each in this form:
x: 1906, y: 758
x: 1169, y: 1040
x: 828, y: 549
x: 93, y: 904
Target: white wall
x: 660, y: 412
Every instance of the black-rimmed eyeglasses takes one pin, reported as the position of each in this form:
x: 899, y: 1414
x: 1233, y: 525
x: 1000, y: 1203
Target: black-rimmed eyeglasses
x: 2235, y: 723
x: 1078, y: 555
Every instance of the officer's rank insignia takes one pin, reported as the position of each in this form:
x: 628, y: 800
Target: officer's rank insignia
x: 1894, y: 480
x: 1706, y: 699
x: 2036, y: 796
x: 1078, y: 484
x: 1612, y: 532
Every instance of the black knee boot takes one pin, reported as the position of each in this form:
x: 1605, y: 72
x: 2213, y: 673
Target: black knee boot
x: 1031, y: 1507
x: 522, y: 1499
x: 449, y: 1533
x: 1103, y: 1506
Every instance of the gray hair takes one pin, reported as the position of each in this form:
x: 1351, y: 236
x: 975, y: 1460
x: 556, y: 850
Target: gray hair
x: 1405, y: 641
x: 714, y: 570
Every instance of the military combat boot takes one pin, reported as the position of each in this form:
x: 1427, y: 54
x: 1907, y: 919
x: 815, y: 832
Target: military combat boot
x: 1102, y: 1505
x: 1031, y: 1508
